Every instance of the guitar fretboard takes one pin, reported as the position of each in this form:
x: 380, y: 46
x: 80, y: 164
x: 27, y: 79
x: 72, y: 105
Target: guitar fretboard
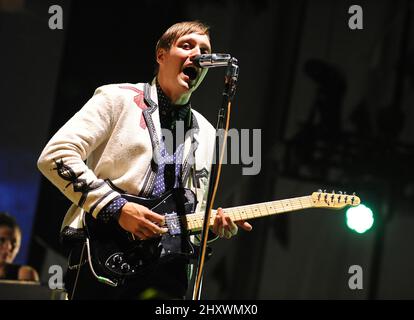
x: 195, y: 220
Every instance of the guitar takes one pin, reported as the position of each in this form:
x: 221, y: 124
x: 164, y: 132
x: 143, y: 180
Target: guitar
x: 116, y: 254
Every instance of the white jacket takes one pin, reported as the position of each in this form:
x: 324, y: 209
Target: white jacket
x: 117, y: 132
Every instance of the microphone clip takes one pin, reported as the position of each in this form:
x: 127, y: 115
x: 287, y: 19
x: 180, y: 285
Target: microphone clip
x: 212, y: 60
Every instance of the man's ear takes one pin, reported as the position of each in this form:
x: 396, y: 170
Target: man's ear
x: 160, y: 55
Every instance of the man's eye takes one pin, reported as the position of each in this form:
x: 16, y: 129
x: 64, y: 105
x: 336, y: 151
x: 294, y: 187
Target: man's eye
x: 186, y: 46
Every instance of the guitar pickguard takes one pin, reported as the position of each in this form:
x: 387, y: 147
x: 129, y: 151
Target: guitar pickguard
x: 115, y: 254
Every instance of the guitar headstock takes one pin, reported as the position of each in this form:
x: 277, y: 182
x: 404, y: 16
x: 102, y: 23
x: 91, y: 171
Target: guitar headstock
x: 334, y: 200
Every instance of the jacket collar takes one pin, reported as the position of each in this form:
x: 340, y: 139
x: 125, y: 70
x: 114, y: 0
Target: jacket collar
x: 152, y: 119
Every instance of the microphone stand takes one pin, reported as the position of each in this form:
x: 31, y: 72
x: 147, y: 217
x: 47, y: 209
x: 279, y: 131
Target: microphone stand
x: 222, y: 127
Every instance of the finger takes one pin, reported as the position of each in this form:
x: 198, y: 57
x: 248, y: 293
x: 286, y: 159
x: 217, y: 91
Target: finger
x: 217, y: 221
x: 153, y: 228
x: 244, y: 225
x: 218, y: 227
x: 155, y: 217
x: 222, y: 225
x: 232, y: 227
x: 140, y: 235
x: 221, y: 229
x: 217, y: 224
x: 224, y: 219
x: 147, y: 233
x: 227, y: 234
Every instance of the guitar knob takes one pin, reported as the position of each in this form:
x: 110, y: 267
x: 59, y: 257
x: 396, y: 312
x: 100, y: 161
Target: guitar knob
x: 125, y: 267
x: 117, y: 259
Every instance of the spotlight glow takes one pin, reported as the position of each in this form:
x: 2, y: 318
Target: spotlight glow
x: 360, y: 218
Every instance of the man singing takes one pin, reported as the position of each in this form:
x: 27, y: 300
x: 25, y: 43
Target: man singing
x: 119, y: 134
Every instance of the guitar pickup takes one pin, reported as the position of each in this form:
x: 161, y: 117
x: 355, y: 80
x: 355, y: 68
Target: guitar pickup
x: 173, y: 223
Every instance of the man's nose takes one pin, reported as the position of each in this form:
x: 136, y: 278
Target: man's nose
x: 195, y: 52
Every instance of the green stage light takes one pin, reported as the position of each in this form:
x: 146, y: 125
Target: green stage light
x: 360, y: 218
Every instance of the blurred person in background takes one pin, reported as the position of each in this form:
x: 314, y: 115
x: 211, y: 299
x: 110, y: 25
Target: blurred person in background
x: 10, y: 240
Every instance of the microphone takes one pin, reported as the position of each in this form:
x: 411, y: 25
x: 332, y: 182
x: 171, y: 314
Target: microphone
x: 212, y: 60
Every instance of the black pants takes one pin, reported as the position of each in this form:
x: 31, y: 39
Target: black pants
x: 165, y: 281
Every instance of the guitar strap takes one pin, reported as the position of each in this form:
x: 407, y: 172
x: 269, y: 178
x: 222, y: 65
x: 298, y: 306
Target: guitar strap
x: 193, y: 169
x: 77, y: 272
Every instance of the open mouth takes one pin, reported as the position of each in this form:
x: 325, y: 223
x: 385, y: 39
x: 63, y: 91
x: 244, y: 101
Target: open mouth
x: 191, y: 72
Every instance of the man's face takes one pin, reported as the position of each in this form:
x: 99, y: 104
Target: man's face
x: 10, y: 240
x: 177, y: 74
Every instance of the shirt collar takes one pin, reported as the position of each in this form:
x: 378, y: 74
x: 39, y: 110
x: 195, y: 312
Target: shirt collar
x: 169, y: 112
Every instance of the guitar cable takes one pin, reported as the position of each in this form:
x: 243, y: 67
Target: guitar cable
x: 100, y: 278
x: 77, y: 273
x: 88, y: 249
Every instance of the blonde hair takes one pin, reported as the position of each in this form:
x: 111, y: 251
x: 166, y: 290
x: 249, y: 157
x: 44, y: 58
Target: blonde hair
x: 176, y: 31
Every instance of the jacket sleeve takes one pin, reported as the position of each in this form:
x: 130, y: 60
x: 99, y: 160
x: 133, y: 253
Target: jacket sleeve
x: 62, y: 160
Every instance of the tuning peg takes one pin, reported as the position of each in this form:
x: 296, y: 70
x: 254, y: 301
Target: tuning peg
x: 333, y: 191
x: 324, y: 191
x: 320, y: 190
x: 353, y: 193
x: 344, y: 192
x: 340, y: 192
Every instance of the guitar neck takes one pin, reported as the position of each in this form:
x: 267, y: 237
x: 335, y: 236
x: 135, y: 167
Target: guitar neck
x: 252, y: 211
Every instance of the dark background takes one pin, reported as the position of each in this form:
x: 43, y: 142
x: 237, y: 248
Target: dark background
x: 333, y: 104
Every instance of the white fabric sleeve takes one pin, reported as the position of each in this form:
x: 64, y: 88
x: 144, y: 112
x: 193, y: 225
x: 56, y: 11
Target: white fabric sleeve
x: 62, y: 160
